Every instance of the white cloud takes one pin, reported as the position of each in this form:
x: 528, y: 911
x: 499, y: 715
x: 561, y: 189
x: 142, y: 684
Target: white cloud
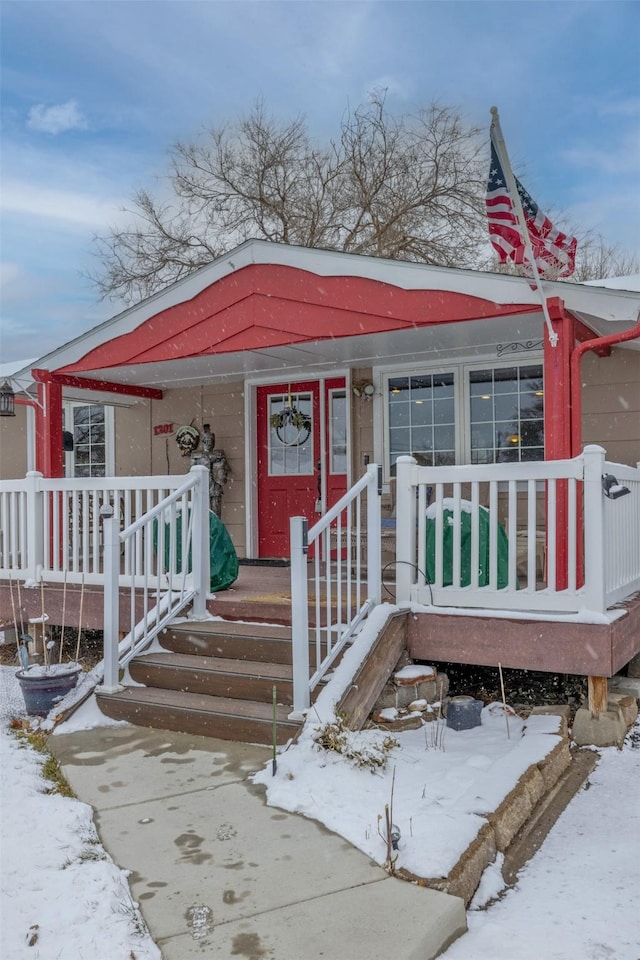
x: 56, y: 119
x: 32, y: 199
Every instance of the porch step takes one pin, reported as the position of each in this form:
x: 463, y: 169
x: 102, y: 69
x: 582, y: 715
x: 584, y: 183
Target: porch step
x: 199, y: 714
x: 237, y: 678
x: 256, y: 642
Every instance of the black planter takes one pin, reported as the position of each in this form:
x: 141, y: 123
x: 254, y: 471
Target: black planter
x: 41, y: 691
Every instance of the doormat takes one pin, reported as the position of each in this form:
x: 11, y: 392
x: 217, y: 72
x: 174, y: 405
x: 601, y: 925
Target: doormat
x: 264, y: 562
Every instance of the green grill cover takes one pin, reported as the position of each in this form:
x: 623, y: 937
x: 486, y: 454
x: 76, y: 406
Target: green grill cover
x: 222, y: 553
x: 465, y: 550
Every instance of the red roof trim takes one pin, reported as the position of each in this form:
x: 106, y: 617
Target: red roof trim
x: 265, y: 305
x: 89, y: 383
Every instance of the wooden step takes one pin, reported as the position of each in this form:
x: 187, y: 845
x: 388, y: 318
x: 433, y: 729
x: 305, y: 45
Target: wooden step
x: 223, y: 717
x: 256, y: 642
x: 215, y: 676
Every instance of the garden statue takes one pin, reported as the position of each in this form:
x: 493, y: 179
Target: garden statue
x: 218, y: 466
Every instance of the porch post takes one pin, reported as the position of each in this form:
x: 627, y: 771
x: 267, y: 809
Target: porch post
x: 49, y: 453
x: 35, y: 527
x: 405, y: 528
x: 557, y: 421
x: 111, y: 622
x: 374, y: 547
x: 298, y: 528
x: 594, y: 537
x: 201, y: 559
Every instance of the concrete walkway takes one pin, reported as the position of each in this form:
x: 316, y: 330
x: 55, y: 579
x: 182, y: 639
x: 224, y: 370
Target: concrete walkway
x: 219, y: 874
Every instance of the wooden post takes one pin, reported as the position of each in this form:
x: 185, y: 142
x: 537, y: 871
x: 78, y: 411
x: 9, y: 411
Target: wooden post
x: 598, y: 689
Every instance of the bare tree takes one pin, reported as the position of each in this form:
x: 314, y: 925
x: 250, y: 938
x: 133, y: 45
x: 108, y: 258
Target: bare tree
x: 410, y: 188
x: 595, y: 260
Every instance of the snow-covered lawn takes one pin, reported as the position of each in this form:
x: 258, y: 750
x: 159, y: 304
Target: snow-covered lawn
x: 64, y: 899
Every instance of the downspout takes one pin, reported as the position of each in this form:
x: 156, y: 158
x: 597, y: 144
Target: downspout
x: 597, y: 343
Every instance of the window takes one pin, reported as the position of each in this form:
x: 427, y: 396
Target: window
x: 470, y: 413
x: 92, y: 428
x: 506, y: 408
x: 290, y: 436
x: 338, y: 431
x: 422, y: 418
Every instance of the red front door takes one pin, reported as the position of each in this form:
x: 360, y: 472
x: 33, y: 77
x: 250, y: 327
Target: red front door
x: 302, y: 456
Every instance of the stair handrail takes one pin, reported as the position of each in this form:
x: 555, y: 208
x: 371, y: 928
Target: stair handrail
x: 175, y: 589
x: 301, y: 539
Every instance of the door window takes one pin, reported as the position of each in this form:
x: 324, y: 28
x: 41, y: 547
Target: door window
x: 338, y: 431
x: 290, y: 434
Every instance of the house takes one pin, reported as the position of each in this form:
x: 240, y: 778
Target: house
x: 307, y: 365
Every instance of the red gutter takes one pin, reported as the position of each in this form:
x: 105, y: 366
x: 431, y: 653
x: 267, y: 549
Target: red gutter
x: 598, y: 343
x: 107, y: 386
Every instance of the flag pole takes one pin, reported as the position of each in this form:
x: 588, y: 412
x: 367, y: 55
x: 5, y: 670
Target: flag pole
x: 501, y: 149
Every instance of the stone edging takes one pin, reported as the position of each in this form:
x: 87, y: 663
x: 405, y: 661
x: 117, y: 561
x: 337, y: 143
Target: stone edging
x: 524, y: 802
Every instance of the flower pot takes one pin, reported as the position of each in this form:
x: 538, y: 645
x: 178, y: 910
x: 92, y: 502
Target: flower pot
x: 463, y: 713
x: 43, y: 687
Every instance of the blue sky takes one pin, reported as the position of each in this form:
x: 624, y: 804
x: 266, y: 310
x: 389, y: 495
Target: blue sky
x: 93, y: 94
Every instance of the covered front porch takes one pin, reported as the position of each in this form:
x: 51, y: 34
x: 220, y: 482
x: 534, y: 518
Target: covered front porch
x: 484, y: 599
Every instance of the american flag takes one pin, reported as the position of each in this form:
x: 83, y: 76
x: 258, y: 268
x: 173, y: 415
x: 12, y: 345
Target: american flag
x: 554, y: 252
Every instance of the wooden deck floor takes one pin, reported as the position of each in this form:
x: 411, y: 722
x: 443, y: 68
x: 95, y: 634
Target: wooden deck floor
x: 263, y: 593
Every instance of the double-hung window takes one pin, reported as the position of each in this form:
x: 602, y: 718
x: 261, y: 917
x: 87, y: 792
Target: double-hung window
x: 91, y: 426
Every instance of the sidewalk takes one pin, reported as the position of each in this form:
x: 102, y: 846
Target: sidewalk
x: 219, y: 874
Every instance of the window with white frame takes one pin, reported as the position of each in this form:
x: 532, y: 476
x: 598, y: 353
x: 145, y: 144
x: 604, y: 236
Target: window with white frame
x: 91, y: 427
x: 338, y: 431
x: 468, y: 413
x: 421, y: 411
x: 506, y: 414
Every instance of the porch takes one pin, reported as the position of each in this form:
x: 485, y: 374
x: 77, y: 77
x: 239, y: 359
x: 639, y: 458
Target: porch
x: 262, y: 594
x: 577, y: 612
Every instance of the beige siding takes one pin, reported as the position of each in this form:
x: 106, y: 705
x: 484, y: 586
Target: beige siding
x: 13, y: 445
x: 611, y: 404
x: 142, y: 449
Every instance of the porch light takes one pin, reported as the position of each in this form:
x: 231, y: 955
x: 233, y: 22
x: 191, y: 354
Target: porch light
x: 364, y: 388
x: 612, y: 489
x: 7, y: 400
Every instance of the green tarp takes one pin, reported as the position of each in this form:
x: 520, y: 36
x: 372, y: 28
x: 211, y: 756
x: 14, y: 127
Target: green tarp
x: 465, y: 550
x: 222, y: 553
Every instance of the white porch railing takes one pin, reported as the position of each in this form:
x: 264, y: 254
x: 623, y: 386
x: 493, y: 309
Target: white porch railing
x: 537, y: 536
x: 166, y: 554
x: 334, y: 556
x: 50, y: 527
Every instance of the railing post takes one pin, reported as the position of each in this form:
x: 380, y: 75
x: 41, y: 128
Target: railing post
x: 374, y: 533
x: 35, y: 527
x: 298, y: 528
x: 405, y: 528
x: 594, y: 533
x: 111, y: 622
x: 201, y: 556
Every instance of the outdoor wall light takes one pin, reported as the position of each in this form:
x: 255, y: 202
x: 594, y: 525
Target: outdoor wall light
x: 7, y: 400
x: 363, y: 388
x: 612, y: 489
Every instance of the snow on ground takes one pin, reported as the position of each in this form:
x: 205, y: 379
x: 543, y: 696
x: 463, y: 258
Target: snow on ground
x: 575, y: 899
x: 63, y: 898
